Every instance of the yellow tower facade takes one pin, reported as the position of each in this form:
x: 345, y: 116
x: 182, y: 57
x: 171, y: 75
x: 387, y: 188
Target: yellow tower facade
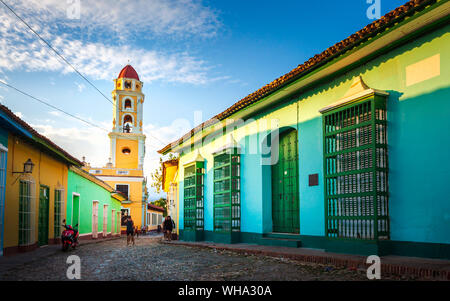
x: 124, y: 171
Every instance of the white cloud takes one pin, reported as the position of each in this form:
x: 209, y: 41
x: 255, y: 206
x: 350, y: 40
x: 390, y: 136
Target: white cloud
x: 80, y: 87
x: 19, y: 114
x: 103, y: 58
x: 122, y: 18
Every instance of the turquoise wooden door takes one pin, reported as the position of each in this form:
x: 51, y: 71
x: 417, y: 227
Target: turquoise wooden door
x: 285, y: 191
x: 44, y: 204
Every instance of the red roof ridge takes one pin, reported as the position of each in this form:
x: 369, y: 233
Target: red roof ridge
x: 40, y: 136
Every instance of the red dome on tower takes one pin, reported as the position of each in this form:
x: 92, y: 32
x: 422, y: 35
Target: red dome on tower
x: 128, y: 72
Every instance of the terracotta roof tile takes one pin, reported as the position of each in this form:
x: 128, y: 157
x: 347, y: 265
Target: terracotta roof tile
x: 36, y: 134
x: 341, y: 47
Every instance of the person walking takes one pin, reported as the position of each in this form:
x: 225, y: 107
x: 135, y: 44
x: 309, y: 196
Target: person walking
x: 130, y: 231
x: 168, y: 225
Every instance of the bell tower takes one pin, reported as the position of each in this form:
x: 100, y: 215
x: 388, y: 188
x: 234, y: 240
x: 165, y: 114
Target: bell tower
x: 127, y: 138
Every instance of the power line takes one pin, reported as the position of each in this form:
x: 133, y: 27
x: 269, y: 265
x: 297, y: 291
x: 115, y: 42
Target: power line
x: 60, y: 110
x: 57, y: 53
x: 68, y: 63
x: 52, y: 106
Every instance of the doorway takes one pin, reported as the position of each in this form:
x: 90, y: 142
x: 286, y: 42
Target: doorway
x: 285, y: 185
x: 75, y: 210
x: 44, y: 204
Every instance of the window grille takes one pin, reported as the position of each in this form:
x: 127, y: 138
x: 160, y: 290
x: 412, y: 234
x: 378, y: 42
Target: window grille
x: 160, y: 219
x: 193, y: 196
x: 227, y: 201
x: 154, y: 221
x: 356, y: 170
x: 59, y: 212
x: 105, y: 220
x: 123, y: 188
x: 27, y: 196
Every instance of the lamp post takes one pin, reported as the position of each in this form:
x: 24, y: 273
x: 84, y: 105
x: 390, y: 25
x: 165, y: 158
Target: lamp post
x: 27, y: 167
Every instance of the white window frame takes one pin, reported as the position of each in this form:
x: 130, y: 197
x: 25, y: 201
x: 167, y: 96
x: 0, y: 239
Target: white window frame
x: 31, y: 213
x: 58, y: 226
x: 95, y: 203
x: 105, y: 220
x: 123, y: 104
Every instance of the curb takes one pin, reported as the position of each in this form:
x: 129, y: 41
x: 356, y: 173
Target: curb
x: 387, y: 269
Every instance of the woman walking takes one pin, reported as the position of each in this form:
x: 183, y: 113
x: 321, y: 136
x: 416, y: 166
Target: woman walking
x: 130, y: 230
x: 168, y: 226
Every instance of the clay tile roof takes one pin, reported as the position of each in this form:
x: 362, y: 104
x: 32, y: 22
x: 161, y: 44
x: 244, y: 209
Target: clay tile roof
x: 154, y: 207
x: 128, y: 72
x: 353, y: 40
x: 50, y: 144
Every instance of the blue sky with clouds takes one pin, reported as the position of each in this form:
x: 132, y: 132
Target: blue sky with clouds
x: 192, y: 56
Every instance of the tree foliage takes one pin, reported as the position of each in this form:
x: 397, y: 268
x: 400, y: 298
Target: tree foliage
x: 162, y: 202
x: 156, y: 175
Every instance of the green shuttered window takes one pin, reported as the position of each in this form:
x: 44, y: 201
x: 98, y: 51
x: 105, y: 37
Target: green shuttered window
x: 356, y: 170
x: 193, y: 196
x: 227, y: 200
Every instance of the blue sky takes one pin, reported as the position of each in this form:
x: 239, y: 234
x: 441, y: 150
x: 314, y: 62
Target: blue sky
x: 192, y: 56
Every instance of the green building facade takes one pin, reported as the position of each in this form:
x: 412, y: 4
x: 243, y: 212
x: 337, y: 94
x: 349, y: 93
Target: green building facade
x: 93, y: 205
x: 347, y: 153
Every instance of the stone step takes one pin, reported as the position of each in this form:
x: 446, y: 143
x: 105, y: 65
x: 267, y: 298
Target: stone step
x: 281, y: 242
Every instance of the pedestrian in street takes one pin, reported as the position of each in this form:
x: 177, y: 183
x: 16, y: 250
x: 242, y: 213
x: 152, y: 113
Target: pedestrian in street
x: 130, y: 231
x: 168, y: 225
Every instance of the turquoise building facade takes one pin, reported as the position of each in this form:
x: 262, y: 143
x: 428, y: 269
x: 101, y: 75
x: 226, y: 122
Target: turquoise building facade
x: 369, y: 168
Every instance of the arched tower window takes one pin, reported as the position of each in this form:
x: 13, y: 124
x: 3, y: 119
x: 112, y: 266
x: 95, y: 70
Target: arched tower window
x: 127, y: 104
x: 127, y: 119
x: 127, y: 124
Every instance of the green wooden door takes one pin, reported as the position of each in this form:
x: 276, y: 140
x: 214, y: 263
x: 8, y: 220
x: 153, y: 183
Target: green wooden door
x: 44, y: 204
x: 285, y: 191
x: 75, y: 211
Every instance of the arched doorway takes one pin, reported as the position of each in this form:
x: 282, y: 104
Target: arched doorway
x: 285, y: 184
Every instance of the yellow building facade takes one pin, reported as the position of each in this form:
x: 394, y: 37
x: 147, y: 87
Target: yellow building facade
x: 170, y: 186
x: 34, y: 200
x: 124, y: 171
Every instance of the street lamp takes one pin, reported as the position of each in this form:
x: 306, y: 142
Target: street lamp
x: 27, y: 167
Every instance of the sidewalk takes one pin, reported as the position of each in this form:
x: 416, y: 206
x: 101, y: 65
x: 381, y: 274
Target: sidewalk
x: 9, y: 262
x: 422, y: 268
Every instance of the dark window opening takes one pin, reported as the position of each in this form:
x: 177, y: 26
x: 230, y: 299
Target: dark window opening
x: 123, y: 189
x: 127, y: 104
x: 127, y: 85
x: 126, y: 151
x: 127, y: 119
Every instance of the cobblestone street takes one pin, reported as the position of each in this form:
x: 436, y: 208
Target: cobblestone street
x: 151, y: 260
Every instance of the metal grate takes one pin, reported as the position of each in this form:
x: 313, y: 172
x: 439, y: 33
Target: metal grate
x: 26, y: 212
x: 356, y: 170
x: 58, y: 212
x: 227, y: 201
x: 193, y: 196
